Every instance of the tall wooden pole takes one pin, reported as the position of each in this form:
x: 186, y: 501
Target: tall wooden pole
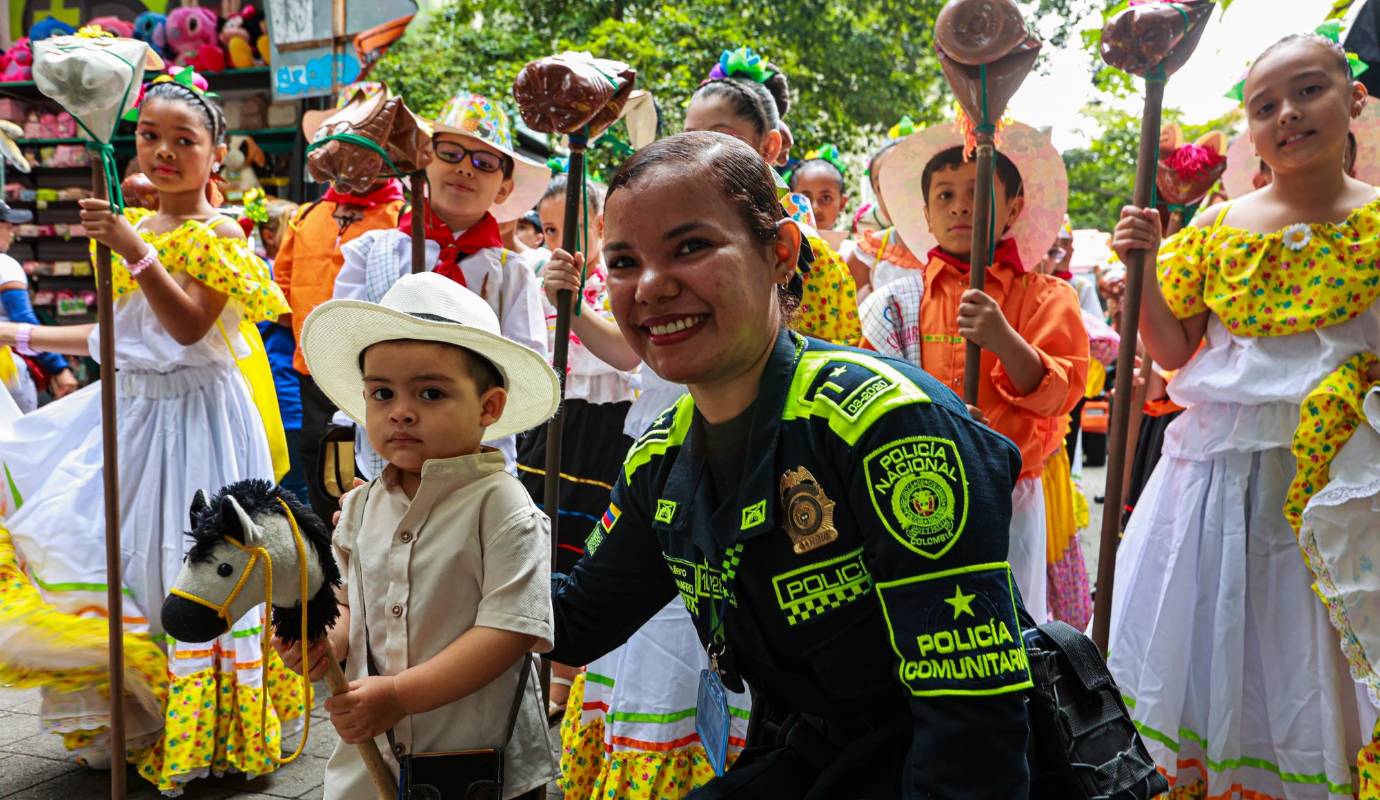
x: 418, y: 180
x: 1136, y: 261
x: 114, y: 599
x: 981, y: 257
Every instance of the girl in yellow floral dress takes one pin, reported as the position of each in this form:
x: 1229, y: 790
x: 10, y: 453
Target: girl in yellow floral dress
x: 188, y: 291
x: 1236, y: 679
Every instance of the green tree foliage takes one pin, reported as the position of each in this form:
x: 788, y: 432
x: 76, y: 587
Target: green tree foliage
x: 854, y: 68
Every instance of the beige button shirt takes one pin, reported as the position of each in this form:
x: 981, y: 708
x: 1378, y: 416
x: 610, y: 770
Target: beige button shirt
x: 469, y: 549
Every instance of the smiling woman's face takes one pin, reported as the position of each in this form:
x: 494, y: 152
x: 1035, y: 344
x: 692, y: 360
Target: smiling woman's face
x: 693, y: 290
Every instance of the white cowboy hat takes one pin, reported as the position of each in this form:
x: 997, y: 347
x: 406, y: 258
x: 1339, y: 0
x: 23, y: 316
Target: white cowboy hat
x: 430, y: 308
x: 475, y: 117
x: 1044, y: 180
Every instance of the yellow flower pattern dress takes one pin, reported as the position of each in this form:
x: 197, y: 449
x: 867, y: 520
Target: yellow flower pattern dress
x: 1236, y: 675
x: 185, y: 421
x: 829, y: 306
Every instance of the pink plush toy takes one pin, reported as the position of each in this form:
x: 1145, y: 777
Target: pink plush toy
x: 19, y: 62
x: 193, y: 39
x: 114, y: 25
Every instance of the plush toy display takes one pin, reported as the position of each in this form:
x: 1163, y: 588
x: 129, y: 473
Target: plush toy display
x: 193, y: 39
x: 242, y: 37
x: 241, y: 157
x: 18, y: 63
x: 152, y: 28
x: 115, y: 25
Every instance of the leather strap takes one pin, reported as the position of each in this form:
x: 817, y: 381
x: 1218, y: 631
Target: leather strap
x: 358, y: 519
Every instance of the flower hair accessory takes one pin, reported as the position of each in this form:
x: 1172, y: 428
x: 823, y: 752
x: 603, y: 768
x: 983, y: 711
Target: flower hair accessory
x: 184, y: 75
x: 741, y: 63
x: 901, y: 129
x: 828, y: 153
x: 1331, y: 31
x: 256, y: 205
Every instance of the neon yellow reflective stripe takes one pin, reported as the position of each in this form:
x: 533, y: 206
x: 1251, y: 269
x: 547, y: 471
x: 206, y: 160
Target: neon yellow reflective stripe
x: 1235, y: 763
x: 76, y: 587
x: 886, y: 617
x: 656, y: 442
x: 849, y: 427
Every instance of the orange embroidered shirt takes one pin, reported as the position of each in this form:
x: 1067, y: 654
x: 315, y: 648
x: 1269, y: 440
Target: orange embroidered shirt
x: 1044, y: 310
x: 309, y: 258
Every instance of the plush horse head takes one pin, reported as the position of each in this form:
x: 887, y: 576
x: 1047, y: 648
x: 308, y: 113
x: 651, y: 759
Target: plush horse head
x: 236, y: 536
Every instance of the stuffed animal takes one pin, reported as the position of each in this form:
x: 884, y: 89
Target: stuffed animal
x: 152, y: 28
x: 242, y: 156
x: 49, y: 27
x: 240, y: 35
x: 19, y: 62
x: 114, y: 25
x: 192, y: 39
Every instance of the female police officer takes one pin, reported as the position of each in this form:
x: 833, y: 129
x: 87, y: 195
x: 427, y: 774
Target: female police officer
x: 834, y: 521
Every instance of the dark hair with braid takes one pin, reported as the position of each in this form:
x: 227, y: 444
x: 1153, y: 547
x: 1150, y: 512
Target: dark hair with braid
x: 1336, y: 54
x: 210, y: 110
x: 763, y: 104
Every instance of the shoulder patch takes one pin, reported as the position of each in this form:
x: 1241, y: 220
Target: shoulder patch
x: 602, y: 529
x: 956, y: 632
x: 919, y: 491
x: 850, y: 389
x: 667, y: 431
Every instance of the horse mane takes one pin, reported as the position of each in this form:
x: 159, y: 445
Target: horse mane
x: 257, y: 498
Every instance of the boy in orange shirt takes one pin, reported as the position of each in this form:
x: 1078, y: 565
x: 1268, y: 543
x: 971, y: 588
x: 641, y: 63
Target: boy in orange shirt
x: 1034, y: 347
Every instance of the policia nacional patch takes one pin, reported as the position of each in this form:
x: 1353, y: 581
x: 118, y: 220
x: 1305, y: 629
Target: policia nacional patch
x: 920, y: 492
x: 956, y: 631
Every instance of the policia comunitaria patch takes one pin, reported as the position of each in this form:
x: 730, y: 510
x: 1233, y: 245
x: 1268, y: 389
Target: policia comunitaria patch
x: 962, y: 636
x: 919, y: 491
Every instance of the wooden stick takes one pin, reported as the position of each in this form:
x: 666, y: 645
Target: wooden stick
x: 1136, y: 263
x: 551, y: 497
x: 981, y: 256
x: 418, y: 221
x: 379, y: 774
x: 114, y: 599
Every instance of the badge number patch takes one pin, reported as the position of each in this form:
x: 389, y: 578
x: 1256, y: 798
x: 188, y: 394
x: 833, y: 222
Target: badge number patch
x: 956, y: 631
x: 920, y: 492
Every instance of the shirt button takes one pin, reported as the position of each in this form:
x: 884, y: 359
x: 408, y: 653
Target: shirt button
x: 397, y: 610
x: 406, y: 536
x: 399, y: 750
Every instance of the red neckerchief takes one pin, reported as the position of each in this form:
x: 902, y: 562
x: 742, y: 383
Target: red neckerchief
x: 1007, y: 253
x: 389, y: 192
x: 482, y: 234
x: 1063, y: 275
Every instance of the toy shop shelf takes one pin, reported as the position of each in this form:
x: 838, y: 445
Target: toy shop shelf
x: 231, y: 80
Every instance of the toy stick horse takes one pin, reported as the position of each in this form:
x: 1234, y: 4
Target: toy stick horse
x: 250, y: 527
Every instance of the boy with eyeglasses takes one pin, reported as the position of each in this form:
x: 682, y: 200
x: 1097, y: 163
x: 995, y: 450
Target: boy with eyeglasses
x: 476, y: 181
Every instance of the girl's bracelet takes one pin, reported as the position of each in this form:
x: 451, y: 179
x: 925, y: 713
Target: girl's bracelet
x: 150, y: 256
x: 21, y: 340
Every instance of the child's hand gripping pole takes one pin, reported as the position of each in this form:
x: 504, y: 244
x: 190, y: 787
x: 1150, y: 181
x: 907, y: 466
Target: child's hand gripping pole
x: 986, y: 52
x: 379, y: 774
x: 1135, y: 40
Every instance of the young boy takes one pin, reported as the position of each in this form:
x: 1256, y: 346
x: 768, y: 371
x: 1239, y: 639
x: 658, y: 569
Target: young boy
x: 476, y: 181
x: 451, y: 589
x: 1034, y: 347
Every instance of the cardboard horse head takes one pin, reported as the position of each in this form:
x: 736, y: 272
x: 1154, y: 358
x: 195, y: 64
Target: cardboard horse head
x: 247, y: 532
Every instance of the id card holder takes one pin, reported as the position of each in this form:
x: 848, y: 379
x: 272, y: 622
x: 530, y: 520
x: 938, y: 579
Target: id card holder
x: 712, y: 719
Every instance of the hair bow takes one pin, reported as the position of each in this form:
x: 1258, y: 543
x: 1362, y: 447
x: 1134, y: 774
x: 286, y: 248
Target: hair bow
x: 741, y: 63
x: 184, y: 75
x: 1330, y: 30
x: 901, y: 129
x: 828, y: 153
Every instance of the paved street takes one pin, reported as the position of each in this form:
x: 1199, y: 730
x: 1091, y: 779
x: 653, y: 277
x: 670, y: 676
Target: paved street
x: 34, y: 766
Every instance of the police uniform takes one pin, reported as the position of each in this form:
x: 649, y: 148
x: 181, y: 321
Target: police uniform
x: 860, y: 573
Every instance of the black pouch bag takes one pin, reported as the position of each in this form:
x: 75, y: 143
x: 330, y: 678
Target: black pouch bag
x: 1083, y: 745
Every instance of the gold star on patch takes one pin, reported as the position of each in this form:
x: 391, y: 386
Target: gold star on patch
x: 962, y: 603
x: 839, y: 370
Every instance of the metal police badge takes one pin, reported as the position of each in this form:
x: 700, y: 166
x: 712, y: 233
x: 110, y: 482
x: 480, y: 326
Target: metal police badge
x: 919, y: 492
x: 809, y: 512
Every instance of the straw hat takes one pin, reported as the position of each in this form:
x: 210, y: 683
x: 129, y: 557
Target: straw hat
x: 1045, y: 182
x: 430, y: 308
x: 475, y: 117
x: 1243, y: 163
